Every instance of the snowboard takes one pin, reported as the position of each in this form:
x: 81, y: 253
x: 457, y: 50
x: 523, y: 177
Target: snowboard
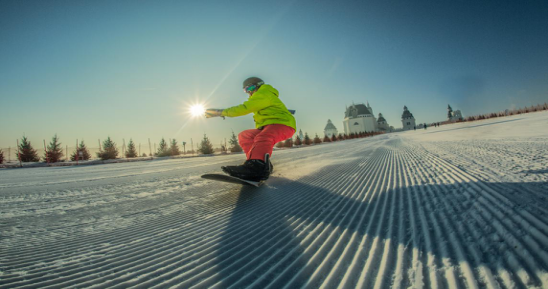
x: 230, y: 179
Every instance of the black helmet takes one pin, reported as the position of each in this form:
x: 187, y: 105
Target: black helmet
x: 253, y: 80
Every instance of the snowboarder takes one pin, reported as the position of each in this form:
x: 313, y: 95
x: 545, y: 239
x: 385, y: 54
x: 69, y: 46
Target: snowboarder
x: 273, y: 123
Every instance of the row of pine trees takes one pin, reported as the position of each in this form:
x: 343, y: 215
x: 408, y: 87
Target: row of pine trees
x: 533, y: 108
x: 109, y: 150
x: 306, y: 140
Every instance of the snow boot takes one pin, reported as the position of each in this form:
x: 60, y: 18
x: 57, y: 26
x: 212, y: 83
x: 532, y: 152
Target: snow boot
x: 251, y: 170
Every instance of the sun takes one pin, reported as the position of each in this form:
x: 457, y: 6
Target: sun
x: 197, y: 110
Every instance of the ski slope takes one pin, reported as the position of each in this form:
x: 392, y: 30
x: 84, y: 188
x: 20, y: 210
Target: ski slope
x: 459, y: 206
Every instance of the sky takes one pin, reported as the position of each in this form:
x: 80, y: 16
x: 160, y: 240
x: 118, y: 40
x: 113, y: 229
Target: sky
x: 131, y: 69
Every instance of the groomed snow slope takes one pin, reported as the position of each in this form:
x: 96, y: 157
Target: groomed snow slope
x: 460, y: 206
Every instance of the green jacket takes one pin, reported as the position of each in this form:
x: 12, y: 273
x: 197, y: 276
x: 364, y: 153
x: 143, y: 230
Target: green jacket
x: 266, y: 107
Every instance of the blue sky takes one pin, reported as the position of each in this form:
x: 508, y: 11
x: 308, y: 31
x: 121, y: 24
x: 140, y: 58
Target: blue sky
x: 129, y: 69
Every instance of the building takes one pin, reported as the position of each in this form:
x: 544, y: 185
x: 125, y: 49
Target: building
x: 382, y: 125
x: 407, y: 119
x: 359, y: 118
x: 330, y: 130
x: 453, y: 116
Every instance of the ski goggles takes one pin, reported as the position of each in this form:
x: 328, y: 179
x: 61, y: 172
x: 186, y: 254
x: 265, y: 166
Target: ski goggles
x: 250, y: 88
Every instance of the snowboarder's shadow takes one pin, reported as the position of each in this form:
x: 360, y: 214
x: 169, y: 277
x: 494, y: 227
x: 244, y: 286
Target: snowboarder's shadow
x: 290, y: 232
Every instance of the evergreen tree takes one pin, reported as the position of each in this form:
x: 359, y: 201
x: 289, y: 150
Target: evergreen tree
x: 109, y: 150
x: 26, y: 152
x: 326, y: 138
x: 307, y: 140
x: 174, y: 148
x: 205, y: 146
x: 288, y: 143
x: 234, y: 145
x: 280, y: 145
x: 144, y: 155
x: 317, y: 139
x: 54, y: 151
x: 131, y: 151
x: 333, y: 138
x: 1, y: 156
x: 298, y: 141
x: 163, y: 150
x: 85, y: 153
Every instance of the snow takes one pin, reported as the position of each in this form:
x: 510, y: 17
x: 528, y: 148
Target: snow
x: 457, y: 206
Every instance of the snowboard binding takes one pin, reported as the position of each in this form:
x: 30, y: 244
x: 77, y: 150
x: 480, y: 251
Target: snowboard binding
x: 251, y: 170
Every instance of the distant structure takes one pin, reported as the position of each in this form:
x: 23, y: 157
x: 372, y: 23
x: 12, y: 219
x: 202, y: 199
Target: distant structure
x: 359, y: 118
x: 330, y: 130
x: 382, y: 125
x: 453, y: 116
x: 407, y: 119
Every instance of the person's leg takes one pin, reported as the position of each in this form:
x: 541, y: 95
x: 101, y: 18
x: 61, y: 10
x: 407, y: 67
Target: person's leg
x: 267, y: 138
x: 246, y: 139
x: 256, y: 168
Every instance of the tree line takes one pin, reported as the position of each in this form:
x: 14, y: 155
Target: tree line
x: 53, y: 152
x: 306, y: 140
x: 533, y: 108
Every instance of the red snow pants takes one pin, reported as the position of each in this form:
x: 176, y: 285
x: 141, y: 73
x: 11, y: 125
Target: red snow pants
x: 258, y: 142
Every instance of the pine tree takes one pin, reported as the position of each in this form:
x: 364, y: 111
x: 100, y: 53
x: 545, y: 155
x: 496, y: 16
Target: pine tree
x: 85, y: 153
x: 26, y: 152
x: 234, y: 145
x: 174, y: 148
x: 109, y: 150
x: 54, y: 151
x: 298, y: 141
x: 333, y: 138
x: 205, y: 146
x: 131, y: 151
x: 1, y: 156
x: 307, y: 140
x: 288, y: 143
x: 326, y: 138
x: 163, y: 150
x: 317, y: 139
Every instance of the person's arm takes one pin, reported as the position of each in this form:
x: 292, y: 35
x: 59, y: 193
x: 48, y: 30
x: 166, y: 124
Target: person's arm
x: 255, y: 103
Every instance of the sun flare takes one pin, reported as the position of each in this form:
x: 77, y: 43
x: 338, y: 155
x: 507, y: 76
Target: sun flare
x: 197, y: 110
